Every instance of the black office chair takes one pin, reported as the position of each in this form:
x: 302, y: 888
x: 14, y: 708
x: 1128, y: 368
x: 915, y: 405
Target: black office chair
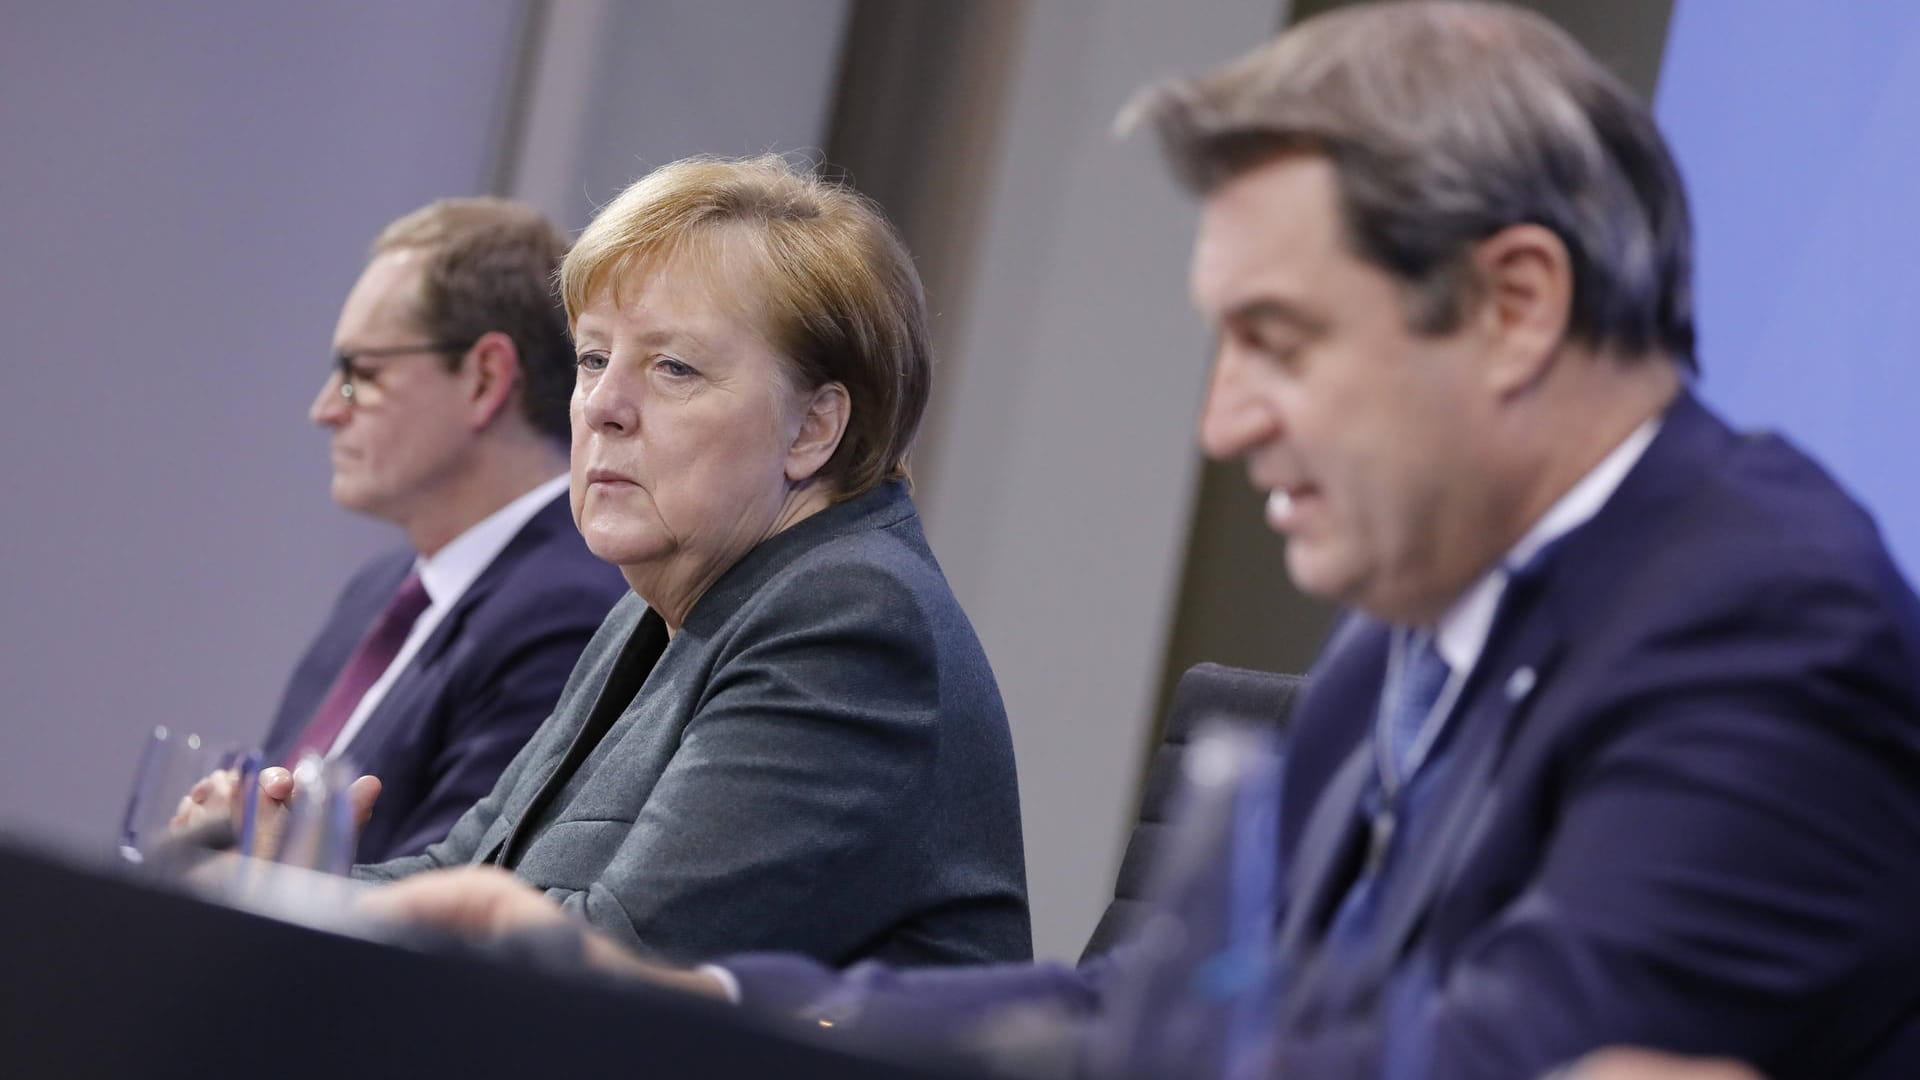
x: 1205, y: 692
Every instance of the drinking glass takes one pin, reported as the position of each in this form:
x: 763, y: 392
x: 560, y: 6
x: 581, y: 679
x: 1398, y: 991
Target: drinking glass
x: 320, y: 832
x: 171, y: 762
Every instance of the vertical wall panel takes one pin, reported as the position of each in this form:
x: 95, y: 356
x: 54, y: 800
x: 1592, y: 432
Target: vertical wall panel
x: 621, y: 87
x: 1058, y: 494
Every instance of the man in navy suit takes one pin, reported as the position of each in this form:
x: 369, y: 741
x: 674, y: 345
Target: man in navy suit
x: 447, y: 413
x: 1620, y: 741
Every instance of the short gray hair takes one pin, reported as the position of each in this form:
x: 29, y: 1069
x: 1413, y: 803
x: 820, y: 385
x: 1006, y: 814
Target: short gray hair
x: 1447, y: 121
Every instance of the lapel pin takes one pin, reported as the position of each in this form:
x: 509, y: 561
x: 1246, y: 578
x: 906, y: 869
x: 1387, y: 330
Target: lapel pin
x: 1519, y: 684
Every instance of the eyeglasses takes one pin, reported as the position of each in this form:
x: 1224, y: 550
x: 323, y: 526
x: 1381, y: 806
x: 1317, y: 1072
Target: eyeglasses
x: 347, y: 364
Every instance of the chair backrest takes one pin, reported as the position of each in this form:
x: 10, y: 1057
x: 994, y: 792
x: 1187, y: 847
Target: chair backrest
x: 1205, y: 692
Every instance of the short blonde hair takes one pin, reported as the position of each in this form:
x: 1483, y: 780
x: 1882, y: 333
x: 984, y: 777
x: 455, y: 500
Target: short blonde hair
x: 838, y: 294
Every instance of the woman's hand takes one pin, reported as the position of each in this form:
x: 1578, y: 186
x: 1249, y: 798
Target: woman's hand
x: 479, y: 902
x: 487, y: 903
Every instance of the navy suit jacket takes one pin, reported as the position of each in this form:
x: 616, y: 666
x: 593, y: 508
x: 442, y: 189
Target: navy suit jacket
x: 1682, y: 809
x: 476, y: 690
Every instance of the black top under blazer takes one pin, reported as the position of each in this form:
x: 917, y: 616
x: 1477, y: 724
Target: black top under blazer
x: 818, y: 761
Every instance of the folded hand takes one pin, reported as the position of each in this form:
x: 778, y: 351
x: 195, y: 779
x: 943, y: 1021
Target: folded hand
x: 218, y: 794
x: 486, y: 903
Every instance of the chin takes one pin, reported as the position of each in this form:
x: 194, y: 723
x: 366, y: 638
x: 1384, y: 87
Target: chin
x: 623, y: 549
x: 1320, y: 578
x: 350, y: 496
x: 1306, y: 572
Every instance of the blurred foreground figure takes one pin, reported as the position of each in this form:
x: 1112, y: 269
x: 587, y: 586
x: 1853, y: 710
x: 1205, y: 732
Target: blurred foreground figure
x: 1620, y: 740
x: 447, y: 413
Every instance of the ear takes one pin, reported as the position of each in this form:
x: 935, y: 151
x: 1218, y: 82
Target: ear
x: 821, y: 428
x: 492, y: 369
x: 1525, y: 279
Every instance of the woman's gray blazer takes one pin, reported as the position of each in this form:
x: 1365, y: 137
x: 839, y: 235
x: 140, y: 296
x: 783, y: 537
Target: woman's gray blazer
x: 817, y: 762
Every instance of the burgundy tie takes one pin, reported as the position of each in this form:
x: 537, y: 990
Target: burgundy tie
x: 363, y: 669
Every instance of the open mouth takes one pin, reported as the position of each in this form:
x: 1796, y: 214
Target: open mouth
x: 1284, y: 506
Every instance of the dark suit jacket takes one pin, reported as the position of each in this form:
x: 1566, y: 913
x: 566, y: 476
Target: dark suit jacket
x: 1682, y: 808
x: 817, y: 761
x: 476, y: 690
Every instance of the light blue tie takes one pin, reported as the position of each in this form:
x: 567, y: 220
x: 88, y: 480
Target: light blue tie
x: 1414, y: 679
x: 1419, y: 677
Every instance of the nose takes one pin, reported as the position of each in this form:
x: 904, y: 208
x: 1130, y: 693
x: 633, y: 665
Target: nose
x: 1234, y: 418
x: 606, y: 401
x: 329, y: 409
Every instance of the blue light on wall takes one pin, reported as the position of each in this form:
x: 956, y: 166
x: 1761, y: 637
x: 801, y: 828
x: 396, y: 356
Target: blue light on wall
x: 1798, y: 128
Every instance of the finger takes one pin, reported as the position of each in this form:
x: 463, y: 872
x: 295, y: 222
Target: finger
x: 363, y: 793
x: 270, y: 818
x: 276, y: 784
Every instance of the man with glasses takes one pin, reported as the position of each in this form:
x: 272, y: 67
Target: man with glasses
x: 447, y: 412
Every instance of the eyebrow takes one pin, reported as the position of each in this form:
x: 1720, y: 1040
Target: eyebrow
x: 659, y: 339
x: 1269, y: 310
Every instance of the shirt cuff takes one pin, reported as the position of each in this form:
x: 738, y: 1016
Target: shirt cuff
x: 729, y: 986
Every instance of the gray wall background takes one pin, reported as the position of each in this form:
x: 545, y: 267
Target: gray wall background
x: 188, y: 190
x: 613, y: 88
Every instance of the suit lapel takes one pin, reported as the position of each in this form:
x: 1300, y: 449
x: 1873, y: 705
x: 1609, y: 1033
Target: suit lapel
x: 648, y: 657
x: 535, y: 534
x: 1497, y: 694
x: 1528, y: 643
x: 1338, y: 707
x: 1556, y: 592
x: 1332, y: 837
x: 400, y: 705
x: 366, y: 596
x: 1502, y: 687
x: 619, y: 695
